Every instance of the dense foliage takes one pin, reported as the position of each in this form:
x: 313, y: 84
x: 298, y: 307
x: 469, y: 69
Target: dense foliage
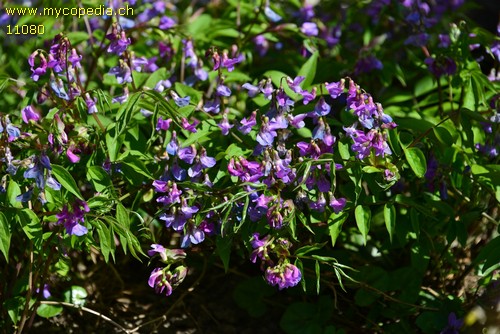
x: 349, y: 150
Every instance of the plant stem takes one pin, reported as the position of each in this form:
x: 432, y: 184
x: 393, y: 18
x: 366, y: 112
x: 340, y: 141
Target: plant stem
x: 88, y: 310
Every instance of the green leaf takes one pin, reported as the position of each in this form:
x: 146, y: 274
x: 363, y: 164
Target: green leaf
x: 390, y: 219
x: 490, y: 254
x: 99, y: 178
x: 416, y: 160
x: 13, y: 191
x: 104, y: 240
x: 48, y: 311
x: 308, y: 70
x: 5, y: 236
x: 66, y: 180
x: 122, y: 216
x: 136, y: 166
x: 307, y: 249
x: 224, y: 250
x: 363, y: 216
x: 335, y: 222
x: 75, y: 295
x: 31, y: 226
x: 77, y: 37
x: 317, y: 269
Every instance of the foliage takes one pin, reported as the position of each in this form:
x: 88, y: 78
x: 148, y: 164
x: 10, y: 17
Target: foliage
x: 352, y: 146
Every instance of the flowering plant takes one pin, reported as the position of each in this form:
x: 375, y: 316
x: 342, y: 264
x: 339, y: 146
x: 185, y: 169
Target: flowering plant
x: 325, y: 149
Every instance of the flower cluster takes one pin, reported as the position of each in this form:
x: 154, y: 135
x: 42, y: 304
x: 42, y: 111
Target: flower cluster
x: 278, y: 272
x: 165, y: 279
x: 73, y: 220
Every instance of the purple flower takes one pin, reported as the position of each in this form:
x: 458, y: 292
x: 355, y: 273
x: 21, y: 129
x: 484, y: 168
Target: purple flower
x: 72, y: 220
x: 261, y: 44
x: 309, y: 29
x: 45, y: 291
x: 196, y: 234
x: 307, y: 12
x: 295, y: 83
x: 319, y: 204
x: 230, y: 62
x: 206, y: 161
x: 252, y: 90
x: 173, y: 193
x: 444, y: 41
x: 162, y: 85
x: 177, y: 172
x: 417, y: 40
x: 41, y: 69
x: 190, y: 127
x: 91, y: 107
x: 337, y: 204
x: 441, y: 66
x: 119, y: 43
x: 335, y: 88
x: 223, y: 90
x: 72, y: 156
x: 173, y: 145
x: 121, y: 98
x: 122, y: 73
x: 158, y: 281
x: 322, y: 108
x: 454, y: 325
x: 187, y: 154
x: 180, y: 101
x: 297, y: 121
x: 367, y: 64
x: 267, y: 89
x: 274, y: 217
x: 283, y: 275
x: 163, y: 124
x: 266, y: 135
x: 260, y: 247
x: 28, y: 113
x: 248, y: 123
x: 167, y: 255
x: 308, y: 96
x: 74, y: 59
x: 166, y: 23
x: 212, y: 106
x: 138, y: 62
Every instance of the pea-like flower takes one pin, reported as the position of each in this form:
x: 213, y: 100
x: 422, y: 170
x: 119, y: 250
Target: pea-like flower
x: 285, y: 275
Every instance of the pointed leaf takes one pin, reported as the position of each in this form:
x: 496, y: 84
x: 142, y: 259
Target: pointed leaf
x: 308, y: 70
x: 390, y: 219
x: 363, y: 216
x: 5, y: 236
x: 416, y: 160
x: 66, y: 180
x: 335, y: 222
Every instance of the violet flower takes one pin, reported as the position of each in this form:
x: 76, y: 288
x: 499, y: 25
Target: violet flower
x: 283, y: 275
x: 119, y: 43
x: 72, y: 220
x: 28, y: 114
x: 163, y: 124
x: 309, y: 29
x: 337, y: 204
x: 248, y: 123
x: 189, y: 127
x: 121, y: 72
x: 91, y: 106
